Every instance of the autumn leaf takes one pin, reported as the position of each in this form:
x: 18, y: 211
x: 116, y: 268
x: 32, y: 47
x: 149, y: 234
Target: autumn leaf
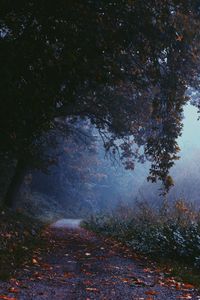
x: 46, y: 267
x: 125, y: 280
x: 68, y: 275
x: 87, y: 273
x: 178, y: 286
x: 188, y: 286
x: 152, y: 293
x: 186, y: 296
x: 92, y: 289
x: 147, y: 270
x: 14, y: 290
x: 87, y: 282
x: 34, y: 261
x: 7, y: 297
x: 137, y: 281
x: 179, y: 38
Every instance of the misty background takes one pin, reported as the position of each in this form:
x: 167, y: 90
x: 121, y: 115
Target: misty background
x: 85, y: 179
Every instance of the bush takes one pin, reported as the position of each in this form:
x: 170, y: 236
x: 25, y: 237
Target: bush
x: 172, y: 231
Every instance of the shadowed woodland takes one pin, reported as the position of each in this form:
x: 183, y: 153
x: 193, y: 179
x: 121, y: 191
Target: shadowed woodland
x: 98, y: 61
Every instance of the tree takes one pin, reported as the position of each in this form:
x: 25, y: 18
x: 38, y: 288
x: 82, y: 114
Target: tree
x: 102, y: 60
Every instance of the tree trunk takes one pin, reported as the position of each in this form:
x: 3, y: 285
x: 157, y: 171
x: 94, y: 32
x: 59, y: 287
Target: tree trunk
x: 14, y: 186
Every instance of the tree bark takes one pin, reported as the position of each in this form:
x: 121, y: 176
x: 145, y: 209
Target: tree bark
x: 15, y: 184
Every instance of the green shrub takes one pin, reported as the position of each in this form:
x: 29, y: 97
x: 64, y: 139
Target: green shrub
x: 172, y: 231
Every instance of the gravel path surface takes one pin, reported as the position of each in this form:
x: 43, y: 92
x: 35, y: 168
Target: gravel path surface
x: 75, y: 264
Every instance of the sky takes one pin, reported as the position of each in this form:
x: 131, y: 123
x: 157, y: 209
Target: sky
x: 186, y: 170
x: 191, y: 130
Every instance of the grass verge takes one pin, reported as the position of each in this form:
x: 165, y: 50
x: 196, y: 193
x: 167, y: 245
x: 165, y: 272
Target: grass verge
x: 170, y: 235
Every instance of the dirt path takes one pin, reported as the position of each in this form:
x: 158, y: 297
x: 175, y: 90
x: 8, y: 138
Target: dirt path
x: 75, y: 264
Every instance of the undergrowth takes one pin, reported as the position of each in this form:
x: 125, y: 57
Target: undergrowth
x: 170, y: 234
x: 19, y: 235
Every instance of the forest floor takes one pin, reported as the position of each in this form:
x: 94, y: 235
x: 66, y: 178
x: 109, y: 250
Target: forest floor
x: 74, y: 264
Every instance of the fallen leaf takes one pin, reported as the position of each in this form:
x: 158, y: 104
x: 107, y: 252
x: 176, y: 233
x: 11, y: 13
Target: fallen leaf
x: 14, y: 290
x: 152, y: 293
x: 186, y: 296
x: 87, y: 282
x: 87, y: 273
x: 92, y: 289
x: 68, y: 275
x: 7, y: 297
x: 188, y: 286
x: 34, y: 261
x: 179, y: 38
x: 125, y: 280
x: 137, y: 281
x: 46, y: 267
x: 147, y: 270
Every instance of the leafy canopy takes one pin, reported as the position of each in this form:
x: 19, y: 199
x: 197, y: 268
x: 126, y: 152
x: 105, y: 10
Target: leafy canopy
x: 125, y: 65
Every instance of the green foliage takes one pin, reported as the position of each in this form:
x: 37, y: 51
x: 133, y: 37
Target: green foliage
x: 172, y: 233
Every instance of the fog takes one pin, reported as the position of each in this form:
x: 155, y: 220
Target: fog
x: 186, y: 170
x: 86, y: 180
